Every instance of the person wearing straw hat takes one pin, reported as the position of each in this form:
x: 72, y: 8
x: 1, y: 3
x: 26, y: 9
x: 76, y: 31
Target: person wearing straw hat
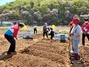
x: 10, y: 34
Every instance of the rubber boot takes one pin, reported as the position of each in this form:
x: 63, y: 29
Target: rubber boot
x: 76, y: 56
x: 72, y: 54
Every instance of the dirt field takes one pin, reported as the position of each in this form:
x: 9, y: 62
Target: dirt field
x: 41, y: 53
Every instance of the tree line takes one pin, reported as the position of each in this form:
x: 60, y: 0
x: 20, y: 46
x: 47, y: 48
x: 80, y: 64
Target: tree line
x: 36, y: 12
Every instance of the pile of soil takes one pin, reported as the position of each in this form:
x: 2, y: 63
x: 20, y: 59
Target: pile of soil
x: 84, y: 53
x: 50, y: 51
x: 43, y: 53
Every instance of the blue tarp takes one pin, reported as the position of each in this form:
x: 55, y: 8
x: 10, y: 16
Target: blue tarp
x: 58, y: 36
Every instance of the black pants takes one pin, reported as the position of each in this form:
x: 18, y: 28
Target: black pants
x: 45, y: 33
x: 12, y: 43
x: 51, y: 37
x: 83, y: 38
x: 35, y: 31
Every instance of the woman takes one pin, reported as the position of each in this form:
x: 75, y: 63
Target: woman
x: 75, y: 32
x: 10, y: 34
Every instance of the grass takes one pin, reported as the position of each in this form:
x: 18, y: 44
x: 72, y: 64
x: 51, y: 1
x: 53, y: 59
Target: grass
x: 64, y: 32
x: 62, y: 29
x: 30, y: 30
x: 3, y: 28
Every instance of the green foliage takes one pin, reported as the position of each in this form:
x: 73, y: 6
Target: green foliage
x: 75, y: 7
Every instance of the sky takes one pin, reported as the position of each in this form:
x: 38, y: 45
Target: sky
x: 3, y: 2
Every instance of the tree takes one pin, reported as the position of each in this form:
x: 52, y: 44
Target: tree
x: 32, y: 4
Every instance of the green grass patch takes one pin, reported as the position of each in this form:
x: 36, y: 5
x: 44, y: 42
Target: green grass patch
x: 30, y: 30
x: 3, y: 28
x: 64, y: 32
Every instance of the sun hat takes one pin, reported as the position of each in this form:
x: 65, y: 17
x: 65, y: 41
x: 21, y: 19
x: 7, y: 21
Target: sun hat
x: 74, y: 21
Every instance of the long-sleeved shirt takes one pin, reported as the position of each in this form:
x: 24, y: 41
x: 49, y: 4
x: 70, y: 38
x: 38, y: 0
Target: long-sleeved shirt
x: 87, y: 28
x: 13, y: 31
x: 84, y: 27
x: 52, y: 33
x: 76, y: 31
x: 44, y: 28
x: 35, y: 27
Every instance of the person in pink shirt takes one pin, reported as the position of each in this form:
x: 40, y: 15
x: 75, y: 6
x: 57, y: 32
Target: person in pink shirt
x: 85, y: 30
x: 10, y: 34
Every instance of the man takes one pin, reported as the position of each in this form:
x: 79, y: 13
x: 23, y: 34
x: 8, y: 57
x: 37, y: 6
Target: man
x: 45, y: 31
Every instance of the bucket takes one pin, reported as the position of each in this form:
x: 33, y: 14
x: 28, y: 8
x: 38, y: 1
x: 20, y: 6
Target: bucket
x: 62, y: 38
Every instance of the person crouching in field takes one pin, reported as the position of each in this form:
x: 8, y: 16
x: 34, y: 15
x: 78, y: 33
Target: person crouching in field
x: 84, y: 31
x: 10, y: 34
x: 51, y: 34
x: 75, y: 32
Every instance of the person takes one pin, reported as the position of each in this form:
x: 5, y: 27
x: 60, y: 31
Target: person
x: 35, y: 29
x: 71, y: 26
x: 14, y: 23
x: 84, y: 33
x: 70, y: 37
x: 52, y: 34
x: 75, y: 33
x: 11, y: 35
x: 48, y: 28
x: 45, y: 31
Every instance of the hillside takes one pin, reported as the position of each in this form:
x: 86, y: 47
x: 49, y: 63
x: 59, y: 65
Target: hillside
x: 38, y: 11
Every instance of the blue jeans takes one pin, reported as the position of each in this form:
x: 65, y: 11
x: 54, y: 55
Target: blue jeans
x: 75, y: 45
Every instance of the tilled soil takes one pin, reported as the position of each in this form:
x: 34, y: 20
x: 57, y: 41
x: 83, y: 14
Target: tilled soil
x: 42, y: 53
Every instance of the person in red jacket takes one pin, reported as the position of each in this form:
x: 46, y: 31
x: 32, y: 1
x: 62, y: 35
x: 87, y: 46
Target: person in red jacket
x: 85, y: 30
x: 10, y: 34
